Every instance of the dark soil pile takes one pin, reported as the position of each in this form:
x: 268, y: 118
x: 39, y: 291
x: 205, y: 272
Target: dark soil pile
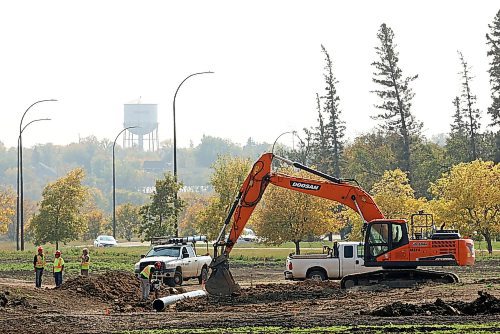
x: 266, y: 293
x: 484, y: 304
x: 120, y: 288
x: 108, y: 286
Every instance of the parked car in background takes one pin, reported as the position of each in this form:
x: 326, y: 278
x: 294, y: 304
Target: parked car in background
x: 248, y: 235
x: 104, y: 241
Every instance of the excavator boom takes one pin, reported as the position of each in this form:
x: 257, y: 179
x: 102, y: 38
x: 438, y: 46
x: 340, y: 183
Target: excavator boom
x: 387, y: 243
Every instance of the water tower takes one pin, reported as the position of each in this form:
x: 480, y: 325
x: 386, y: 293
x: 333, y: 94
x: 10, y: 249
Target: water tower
x: 145, y: 117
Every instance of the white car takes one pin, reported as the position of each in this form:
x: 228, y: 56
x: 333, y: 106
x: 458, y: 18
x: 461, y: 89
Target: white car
x: 104, y: 241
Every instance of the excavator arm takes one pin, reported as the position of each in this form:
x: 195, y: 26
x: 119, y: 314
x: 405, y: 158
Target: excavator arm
x: 249, y: 195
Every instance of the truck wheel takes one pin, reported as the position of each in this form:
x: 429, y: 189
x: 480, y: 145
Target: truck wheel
x: 203, y: 275
x: 317, y: 275
x: 176, y: 280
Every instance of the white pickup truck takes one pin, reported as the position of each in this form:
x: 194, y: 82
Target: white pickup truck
x: 345, y: 258
x: 179, y: 263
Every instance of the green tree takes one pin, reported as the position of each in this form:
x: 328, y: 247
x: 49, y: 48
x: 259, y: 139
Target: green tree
x: 335, y: 127
x: 493, y: 40
x: 321, y: 157
x: 457, y: 147
x: 128, y: 220
x: 470, y: 113
x: 226, y: 179
x: 59, y: 218
x: 159, y: 218
x: 369, y: 156
x: 470, y: 192
x: 395, y: 93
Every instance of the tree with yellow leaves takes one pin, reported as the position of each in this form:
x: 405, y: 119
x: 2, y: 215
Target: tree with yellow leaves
x: 394, y: 197
x: 7, y: 208
x: 285, y: 215
x: 470, y: 196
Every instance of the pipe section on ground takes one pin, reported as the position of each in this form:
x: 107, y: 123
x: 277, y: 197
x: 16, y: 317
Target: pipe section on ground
x: 160, y: 303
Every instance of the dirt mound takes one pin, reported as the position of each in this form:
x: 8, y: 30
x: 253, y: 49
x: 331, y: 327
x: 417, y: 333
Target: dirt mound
x: 266, y: 293
x: 120, y: 288
x: 107, y: 286
x: 484, y: 304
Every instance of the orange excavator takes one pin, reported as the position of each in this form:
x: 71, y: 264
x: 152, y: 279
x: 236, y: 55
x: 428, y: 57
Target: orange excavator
x: 388, y: 243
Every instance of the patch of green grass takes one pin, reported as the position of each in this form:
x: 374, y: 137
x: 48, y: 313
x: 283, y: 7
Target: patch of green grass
x: 477, y: 328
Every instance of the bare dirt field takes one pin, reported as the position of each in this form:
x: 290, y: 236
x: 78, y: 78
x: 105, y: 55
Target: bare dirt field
x: 108, y: 303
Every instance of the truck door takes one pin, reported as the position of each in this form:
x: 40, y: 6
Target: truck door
x: 347, y: 260
x: 187, y: 263
x: 359, y: 263
x: 195, y: 265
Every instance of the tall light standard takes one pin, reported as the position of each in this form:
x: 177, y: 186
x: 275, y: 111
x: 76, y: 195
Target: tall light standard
x: 175, y: 139
x: 20, y: 188
x: 114, y: 193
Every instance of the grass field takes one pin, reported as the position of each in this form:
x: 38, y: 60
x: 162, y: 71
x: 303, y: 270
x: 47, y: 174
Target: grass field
x: 123, y: 258
x: 476, y: 328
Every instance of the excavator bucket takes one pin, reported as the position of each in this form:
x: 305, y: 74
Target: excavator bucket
x: 221, y: 281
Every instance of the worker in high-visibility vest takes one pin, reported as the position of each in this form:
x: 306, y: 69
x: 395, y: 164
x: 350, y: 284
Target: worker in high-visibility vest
x: 39, y: 264
x: 58, y: 268
x: 85, y: 262
x: 145, y: 277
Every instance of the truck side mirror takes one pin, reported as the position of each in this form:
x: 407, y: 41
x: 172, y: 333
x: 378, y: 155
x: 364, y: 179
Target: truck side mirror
x: 143, y: 256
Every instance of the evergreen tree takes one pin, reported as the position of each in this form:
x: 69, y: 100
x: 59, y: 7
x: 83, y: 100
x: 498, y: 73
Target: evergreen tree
x: 493, y: 40
x: 321, y: 156
x: 395, y: 93
x: 335, y: 126
x: 456, y: 144
x: 470, y: 113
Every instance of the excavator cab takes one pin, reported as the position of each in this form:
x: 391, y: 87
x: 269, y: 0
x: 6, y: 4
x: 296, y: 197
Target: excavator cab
x: 383, y: 236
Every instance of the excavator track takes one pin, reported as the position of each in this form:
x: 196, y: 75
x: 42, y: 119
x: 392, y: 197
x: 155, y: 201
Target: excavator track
x: 397, y: 278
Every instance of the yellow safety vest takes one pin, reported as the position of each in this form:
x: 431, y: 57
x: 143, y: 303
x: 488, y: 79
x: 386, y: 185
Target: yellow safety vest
x: 40, y: 261
x: 85, y: 264
x: 58, y: 264
x: 147, y: 271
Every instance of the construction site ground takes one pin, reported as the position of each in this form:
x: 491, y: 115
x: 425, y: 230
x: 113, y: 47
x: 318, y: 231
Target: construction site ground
x: 109, y: 302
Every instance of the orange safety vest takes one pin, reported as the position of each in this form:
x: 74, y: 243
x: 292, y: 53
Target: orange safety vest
x: 147, y: 271
x: 58, y: 264
x: 40, y: 261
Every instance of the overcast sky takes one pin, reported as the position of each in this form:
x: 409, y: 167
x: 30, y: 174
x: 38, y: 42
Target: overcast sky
x: 94, y: 56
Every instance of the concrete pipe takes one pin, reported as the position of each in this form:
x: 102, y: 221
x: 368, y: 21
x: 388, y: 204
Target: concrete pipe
x: 160, y: 303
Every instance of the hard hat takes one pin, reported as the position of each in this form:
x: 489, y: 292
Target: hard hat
x: 58, y: 252
x: 158, y: 265
x: 40, y: 248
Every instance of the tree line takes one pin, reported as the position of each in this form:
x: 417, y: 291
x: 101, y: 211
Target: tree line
x: 395, y: 162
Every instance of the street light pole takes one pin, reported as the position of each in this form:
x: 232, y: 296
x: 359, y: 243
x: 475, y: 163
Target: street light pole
x: 20, y: 187
x: 175, y: 140
x: 114, y: 192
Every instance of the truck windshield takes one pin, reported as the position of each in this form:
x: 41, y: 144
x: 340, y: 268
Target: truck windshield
x: 164, y: 251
